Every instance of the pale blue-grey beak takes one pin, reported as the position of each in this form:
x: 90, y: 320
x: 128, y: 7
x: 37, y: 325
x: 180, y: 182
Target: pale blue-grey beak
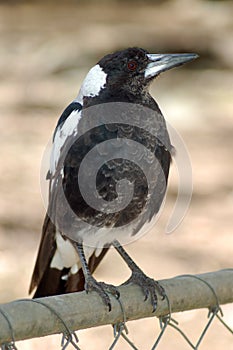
x: 159, y: 63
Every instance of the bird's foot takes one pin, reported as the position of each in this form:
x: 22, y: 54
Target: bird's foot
x: 148, y: 285
x: 102, y: 289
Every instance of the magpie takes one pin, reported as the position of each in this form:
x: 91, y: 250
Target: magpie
x: 75, y: 235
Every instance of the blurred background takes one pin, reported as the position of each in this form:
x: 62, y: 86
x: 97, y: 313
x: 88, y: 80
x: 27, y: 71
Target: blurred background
x: 46, y: 49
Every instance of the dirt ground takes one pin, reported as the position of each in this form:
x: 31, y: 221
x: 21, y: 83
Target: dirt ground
x: 46, y: 50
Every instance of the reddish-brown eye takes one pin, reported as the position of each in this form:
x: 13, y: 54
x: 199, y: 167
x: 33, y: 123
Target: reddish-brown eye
x: 132, y: 65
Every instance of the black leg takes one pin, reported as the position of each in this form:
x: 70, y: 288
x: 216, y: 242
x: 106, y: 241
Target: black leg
x: 90, y: 282
x: 148, y: 285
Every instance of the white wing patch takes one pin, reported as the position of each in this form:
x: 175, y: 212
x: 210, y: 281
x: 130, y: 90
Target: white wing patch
x: 69, y: 127
x: 65, y: 254
x: 94, y: 81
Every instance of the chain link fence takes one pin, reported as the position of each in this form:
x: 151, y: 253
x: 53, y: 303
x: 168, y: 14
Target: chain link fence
x: 26, y: 318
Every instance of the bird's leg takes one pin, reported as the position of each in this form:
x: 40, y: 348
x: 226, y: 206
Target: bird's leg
x: 147, y: 284
x: 90, y: 282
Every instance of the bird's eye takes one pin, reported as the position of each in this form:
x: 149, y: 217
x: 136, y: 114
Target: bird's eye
x: 132, y: 65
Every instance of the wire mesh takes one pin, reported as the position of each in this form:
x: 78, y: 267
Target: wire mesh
x: 120, y: 331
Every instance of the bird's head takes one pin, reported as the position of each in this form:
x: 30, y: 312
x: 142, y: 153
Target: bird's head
x: 130, y: 70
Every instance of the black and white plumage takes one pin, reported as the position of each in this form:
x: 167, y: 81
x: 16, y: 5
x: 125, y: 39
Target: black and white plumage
x: 65, y: 262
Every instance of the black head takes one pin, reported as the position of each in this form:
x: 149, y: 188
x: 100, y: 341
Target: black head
x: 128, y: 71
x: 126, y: 68
x: 135, y: 68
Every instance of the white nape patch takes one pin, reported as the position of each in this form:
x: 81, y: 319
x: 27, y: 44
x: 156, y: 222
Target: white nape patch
x: 69, y: 127
x: 94, y: 81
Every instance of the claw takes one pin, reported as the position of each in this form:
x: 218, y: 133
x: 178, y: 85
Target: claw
x: 163, y: 295
x: 117, y: 294
x: 154, y: 306
x: 148, y: 285
x: 102, y: 288
x: 146, y: 292
x: 109, y: 307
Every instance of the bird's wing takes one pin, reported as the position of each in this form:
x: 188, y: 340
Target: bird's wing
x: 144, y: 163
x: 46, y: 278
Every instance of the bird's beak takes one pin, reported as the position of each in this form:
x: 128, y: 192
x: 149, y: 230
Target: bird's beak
x: 159, y: 63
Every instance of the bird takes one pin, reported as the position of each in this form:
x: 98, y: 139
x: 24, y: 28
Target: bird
x: 114, y: 115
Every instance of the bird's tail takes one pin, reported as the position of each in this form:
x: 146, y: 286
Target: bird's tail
x: 52, y: 281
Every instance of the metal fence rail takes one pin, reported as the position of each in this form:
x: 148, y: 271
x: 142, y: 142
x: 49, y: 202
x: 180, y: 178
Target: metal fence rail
x: 24, y: 319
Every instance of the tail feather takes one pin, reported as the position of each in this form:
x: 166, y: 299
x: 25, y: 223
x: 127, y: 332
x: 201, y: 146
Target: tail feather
x: 51, y: 281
